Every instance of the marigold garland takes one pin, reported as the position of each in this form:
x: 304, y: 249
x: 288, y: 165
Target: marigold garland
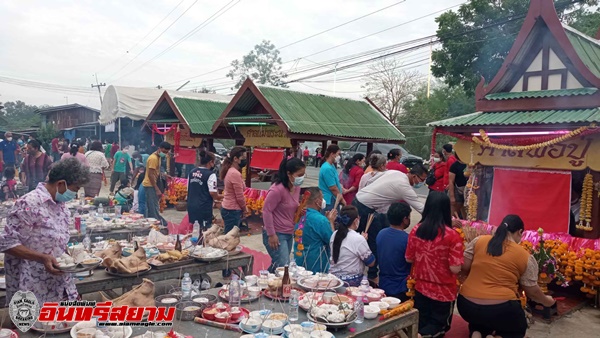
x: 587, y: 200
x: 485, y: 140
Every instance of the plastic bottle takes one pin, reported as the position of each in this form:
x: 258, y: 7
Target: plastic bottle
x: 235, y: 292
x: 186, y: 287
x: 359, y: 307
x: 87, y: 243
x: 83, y: 228
x: 364, y: 286
x: 293, y: 306
x: 196, y: 231
x: 293, y: 269
x: 100, y: 210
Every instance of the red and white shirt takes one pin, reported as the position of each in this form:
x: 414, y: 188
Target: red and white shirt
x: 432, y: 262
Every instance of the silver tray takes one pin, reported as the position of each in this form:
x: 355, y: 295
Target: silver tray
x: 81, y: 268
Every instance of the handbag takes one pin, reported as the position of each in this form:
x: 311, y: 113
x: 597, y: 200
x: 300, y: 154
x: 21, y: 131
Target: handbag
x: 430, y: 180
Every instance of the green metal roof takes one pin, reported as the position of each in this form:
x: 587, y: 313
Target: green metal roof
x: 587, y: 49
x: 522, y: 118
x: 306, y: 113
x: 200, y: 115
x: 541, y: 93
x: 249, y: 117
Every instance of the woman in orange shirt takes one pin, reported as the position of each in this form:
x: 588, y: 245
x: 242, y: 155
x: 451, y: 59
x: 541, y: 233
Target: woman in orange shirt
x: 489, y: 298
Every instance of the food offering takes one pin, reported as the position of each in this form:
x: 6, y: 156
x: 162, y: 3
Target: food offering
x: 223, y: 313
x: 310, y: 300
x: 132, y: 265
x: 332, y: 316
x: 90, y: 330
x: 114, y: 252
x: 249, y: 293
x: 170, y: 259
x: 398, y: 310
x: 213, y: 237
x: 76, y: 259
x: 372, y: 295
x: 320, y: 282
x: 208, y: 254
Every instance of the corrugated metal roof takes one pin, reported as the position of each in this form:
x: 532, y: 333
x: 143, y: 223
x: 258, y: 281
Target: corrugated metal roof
x: 541, y: 93
x: 587, y: 48
x: 522, y: 118
x: 200, y: 115
x: 249, y: 117
x: 306, y: 113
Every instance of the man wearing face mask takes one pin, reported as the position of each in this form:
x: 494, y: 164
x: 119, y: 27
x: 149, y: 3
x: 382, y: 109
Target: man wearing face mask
x: 151, y: 182
x: 37, y: 231
x: 316, y: 232
x: 392, y: 242
x: 376, y: 198
x: 36, y: 165
x: 8, y: 151
x: 279, y: 211
x: 202, y: 191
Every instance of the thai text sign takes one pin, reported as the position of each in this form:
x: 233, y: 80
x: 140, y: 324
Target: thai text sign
x: 185, y: 138
x: 574, y: 154
x: 265, y: 136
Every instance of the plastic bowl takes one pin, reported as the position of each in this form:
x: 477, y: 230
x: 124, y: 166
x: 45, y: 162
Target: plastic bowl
x: 167, y: 300
x: 392, y: 301
x: 371, y: 312
x: 187, y: 315
x: 205, y: 300
x: 380, y: 305
x: 272, y: 326
x: 251, y: 324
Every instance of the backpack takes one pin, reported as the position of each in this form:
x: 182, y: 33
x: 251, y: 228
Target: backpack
x: 430, y: 180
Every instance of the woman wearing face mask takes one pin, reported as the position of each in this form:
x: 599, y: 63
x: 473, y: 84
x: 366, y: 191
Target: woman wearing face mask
x: 394, y: 157
x: 316, y: 231
x: 279, y: 210
x: 349, y: 250
x: 202, y: 191
x: 37, y: 231
x: 75, y: 152
x: 351, y: 175
x: 329, y: 180
x: 438, y: 173
x: 234, y: 206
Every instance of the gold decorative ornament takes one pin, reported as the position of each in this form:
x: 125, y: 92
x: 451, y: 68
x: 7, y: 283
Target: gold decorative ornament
x: 485, y: 140
x: 587, y: 200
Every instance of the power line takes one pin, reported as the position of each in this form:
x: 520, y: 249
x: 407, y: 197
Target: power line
x: 341, y: 25
x: 205, y: 23
x: 156, y: 38
x: 322, y: 51
x: 46, y: 86
x: 140, y: 40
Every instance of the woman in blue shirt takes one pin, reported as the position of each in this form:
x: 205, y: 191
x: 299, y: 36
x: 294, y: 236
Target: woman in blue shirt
x: 313, y: 233
x: 329, y: 180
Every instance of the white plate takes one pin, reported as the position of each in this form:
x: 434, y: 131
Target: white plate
x: 336, y: 283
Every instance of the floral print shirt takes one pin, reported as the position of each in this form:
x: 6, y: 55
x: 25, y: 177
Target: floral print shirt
x: 42, y: 225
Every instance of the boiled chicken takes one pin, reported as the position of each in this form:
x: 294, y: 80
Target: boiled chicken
x: 213, y: 232
x: 128, y: 265
x: 228, y: 241
x: 140, y: 296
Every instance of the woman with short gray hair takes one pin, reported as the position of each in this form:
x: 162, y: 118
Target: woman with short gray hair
x: 37, y: 232
x: 377, y: 162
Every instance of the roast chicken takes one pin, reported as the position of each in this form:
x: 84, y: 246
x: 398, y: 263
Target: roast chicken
x: 229, y: 241
x: 111, y: 253
x: 128, y: 265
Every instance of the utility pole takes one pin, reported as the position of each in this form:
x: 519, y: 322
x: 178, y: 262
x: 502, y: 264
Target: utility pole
x: 98, y: 85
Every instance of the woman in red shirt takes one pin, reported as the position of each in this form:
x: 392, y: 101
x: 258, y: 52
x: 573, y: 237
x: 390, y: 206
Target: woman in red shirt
x: 394, y: 157
x: 440, y: 172
x: 437, y: 253
x: 351, y: 175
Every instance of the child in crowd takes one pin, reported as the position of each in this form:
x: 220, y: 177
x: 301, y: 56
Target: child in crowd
x: 124, y: 196
x: 8, y: 184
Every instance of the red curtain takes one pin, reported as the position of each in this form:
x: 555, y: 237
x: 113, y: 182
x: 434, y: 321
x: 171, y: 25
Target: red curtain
x: 266, y: 158
x: 541, y: 198
x: 185, y: 156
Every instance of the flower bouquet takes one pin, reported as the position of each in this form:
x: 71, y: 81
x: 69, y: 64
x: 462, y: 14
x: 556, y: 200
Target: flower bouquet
x: 545, y: 254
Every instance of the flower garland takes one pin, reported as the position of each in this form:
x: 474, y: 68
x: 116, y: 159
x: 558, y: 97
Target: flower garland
x: 485, y: 140
x: 298, y: 237
x: 472, y: 201
x: 587, y: 200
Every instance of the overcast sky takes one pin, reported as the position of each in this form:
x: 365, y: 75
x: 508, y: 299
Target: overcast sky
x: 66, y: 42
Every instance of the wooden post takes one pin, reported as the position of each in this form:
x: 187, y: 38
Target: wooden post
x: 369, y: 148
x: 248, y: 170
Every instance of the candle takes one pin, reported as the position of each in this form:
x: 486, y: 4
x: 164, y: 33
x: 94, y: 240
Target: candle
x: 523, y: 299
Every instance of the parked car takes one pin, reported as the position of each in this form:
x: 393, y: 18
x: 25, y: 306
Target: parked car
x: 220, y: 149
x: 408, y: 159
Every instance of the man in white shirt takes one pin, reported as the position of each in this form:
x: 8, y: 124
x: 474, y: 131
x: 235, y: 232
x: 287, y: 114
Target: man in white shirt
x: 393, y: 186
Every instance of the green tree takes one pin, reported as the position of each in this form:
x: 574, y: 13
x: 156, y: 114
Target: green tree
x: 19, y: 115
x: 490, y: 28
x: 47, y: 133
x: 443, y: 102
x: 262, y: 64
x: 205, y: 90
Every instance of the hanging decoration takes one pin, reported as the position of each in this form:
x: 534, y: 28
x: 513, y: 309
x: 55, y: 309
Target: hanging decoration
x: 587, y: 199
x: 485, y: 140
x: 472, y: 186
x: 177, y: 140
x: 162, y: 131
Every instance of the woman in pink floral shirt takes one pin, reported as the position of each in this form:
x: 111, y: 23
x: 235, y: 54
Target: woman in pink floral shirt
x: 37, y: 231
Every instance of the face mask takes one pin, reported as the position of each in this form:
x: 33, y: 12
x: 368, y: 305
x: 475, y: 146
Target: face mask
x: 436, y: 159
x: 323, y: 204
x: 67, y: 196
x: 162, y: 155
x: 298, y: 181
x: 337, y: 158
x: 9, y: 139
x: 243, y: 163
x: 418, y: 185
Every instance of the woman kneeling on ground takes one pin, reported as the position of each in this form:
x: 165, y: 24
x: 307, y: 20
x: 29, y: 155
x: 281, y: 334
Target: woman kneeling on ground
x: 489, y: 299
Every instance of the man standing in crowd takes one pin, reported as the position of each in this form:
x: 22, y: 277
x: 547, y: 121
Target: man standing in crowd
x: 54, y: 144
x: 119, y: 169
x: 8, y: 151
x: 153, y: 187
x: 306, y: 155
